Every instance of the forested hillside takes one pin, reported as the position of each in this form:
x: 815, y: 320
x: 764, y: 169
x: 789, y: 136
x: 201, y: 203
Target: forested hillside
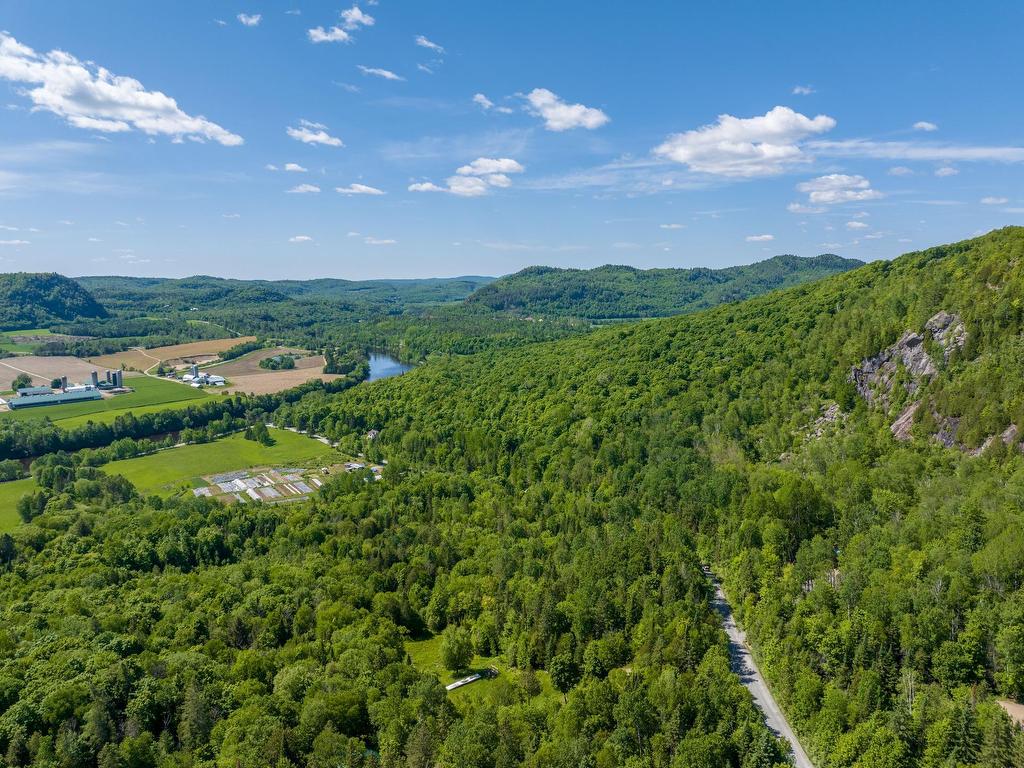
x: 550, y: 505
x: 626, y: 292
x: 34, y: 300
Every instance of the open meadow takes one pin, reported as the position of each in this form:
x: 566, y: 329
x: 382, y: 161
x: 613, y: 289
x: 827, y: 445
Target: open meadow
x: 10, y: 492
x: 178, y: 469
x: 150, y: 395
x: 197, y: 351
x: 245, y: 374
x: 426, y: 657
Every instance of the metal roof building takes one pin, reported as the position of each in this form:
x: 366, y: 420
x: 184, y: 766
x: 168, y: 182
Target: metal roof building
x: 53, y: 398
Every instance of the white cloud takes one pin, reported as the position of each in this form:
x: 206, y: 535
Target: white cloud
x: 423, y: 42
x: 746, y: 147
x: 760, y: 238
x: 358, y: 189
x: 304, y: 189
x: 387, y: 74
x: 560, y: 116
x: 90, y: 97
x: 250, y: 20
x: 994, y: 201
x: 475, y: 179
x: 378, y: 241
x: 94, y: 240
x: 946, y: 171
x: 856, y: 225
x: 672, y: 226
x: 924, y: 125
x: 354, y: 18
x: 802, y: 90
x: 294, y: 168
x: 314, y: 133
x: 424, y: 68
x: 270, y: 167
x: 300, y: 239
x: 426, y: 186
x: 900, y: 170
x: 231, y: 215
x: 332, y: 35
x: 15, y: 242
x: 838, y: 188
x: 483, y: 166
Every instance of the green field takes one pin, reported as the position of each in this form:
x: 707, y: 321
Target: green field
x: 179, y: 469
x: 150, y: 395
x: 6, y: 343
x: 9, y: 494
x: 426, y: 657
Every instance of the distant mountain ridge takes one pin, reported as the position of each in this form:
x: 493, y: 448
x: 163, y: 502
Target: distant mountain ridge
x: 181, y: 293
x: 36, y: 299
x: 626, y: 292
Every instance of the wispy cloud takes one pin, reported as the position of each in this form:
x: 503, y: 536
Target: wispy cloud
x: 923, y: 151
x: 359, y: 189
x: 802, y: 90
x: 760, y: 238
x: 924, y: 125
x: 331, y: 35
x: 423, y: 42
x: 304, y: 189
x: 250, y: 20
x: 300, y: 239
x: 314, y: 133
x: 387, y: 74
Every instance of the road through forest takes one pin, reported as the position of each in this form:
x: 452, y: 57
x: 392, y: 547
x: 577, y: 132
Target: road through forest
x: 745, y: 667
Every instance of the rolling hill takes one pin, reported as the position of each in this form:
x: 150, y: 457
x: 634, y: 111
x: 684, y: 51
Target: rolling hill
x: 626, y: 292
x: 34, y: 300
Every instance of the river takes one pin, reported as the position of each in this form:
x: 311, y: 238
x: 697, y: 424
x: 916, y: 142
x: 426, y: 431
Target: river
x: 384, y: 366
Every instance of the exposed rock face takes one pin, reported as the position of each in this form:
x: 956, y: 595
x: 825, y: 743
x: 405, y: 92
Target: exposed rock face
x: 874, y: 377
x: 901, y: 427
x: 829, y: 416
x: 948, y: 330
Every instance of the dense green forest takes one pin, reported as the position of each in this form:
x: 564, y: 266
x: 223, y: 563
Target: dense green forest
x: 36, y: 300
x: 846, y: 453
x: 626, y: 292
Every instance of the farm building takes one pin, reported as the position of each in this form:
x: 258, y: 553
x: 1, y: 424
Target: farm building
x: 38, y: 396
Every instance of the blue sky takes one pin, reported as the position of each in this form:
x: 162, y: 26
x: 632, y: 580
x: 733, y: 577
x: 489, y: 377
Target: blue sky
x: 479, y: 138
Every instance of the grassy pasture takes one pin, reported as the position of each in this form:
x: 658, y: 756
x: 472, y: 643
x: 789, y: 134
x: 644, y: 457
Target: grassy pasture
x: 178, y: 469
x: 149, y: 395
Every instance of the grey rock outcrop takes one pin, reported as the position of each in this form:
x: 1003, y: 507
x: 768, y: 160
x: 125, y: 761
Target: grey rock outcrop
x: 874, y: 377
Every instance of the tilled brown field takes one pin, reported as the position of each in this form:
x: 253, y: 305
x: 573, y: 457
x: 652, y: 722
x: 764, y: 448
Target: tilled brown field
x: 44, y: 369
x: 268, y: 382
x: 141, y: 360
x: 250, y: 364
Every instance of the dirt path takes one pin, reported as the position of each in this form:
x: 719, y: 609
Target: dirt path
x: 745, y: 667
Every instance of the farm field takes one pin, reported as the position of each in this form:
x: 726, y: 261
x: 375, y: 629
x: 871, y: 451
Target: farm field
x: 182, y: 468
x: 426, y: 657
x: 9, y: 494
x: 44, y: 369
x: 22, y: 342
x: 150, y: 395
x: 142, y: 360
x: 268, y: 382
x: 250, y: 363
